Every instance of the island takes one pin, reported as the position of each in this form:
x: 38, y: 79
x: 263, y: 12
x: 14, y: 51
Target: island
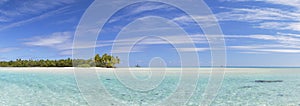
x: 105, y: 60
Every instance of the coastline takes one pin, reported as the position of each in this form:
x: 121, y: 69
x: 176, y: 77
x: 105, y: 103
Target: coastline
x: 200, y: 70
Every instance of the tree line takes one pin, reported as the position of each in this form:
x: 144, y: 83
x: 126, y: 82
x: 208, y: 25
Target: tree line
x: 105, y: 60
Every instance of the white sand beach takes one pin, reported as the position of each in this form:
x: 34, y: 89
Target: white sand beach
x: 200, y: 70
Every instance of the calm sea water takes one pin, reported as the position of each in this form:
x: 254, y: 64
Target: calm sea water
x: 239, y: 89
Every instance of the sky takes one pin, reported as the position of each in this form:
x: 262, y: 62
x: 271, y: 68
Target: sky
x: 256, y: 32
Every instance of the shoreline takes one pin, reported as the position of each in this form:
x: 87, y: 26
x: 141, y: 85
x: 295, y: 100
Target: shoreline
x: 100, y: 69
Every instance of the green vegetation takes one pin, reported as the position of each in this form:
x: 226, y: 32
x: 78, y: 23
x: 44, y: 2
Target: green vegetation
x: 98, y: 61
x: 106, y: 61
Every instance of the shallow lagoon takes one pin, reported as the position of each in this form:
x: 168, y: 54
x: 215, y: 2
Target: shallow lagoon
x: 48, y: 86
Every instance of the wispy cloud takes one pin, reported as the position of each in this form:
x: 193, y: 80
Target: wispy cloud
x: 266, y: 49
x: 3, y: 19
x: 205, y: 20
x: 139, y: 8
x: 282, y: 39
x: 174, y: 39
x: 28, y: 11
x: 293, y: 26
x: 193, y: 49
x: 267, y: 17
x: 124, y: 45
x: 281, y: 43
x: 291, y: 3
x: 50, y: 40
x: 256, y: 14
x: 61, y: 41
x: 66, y: 52
x: 4, y: 50
x: 127, y: 49
x: 33, y: 7
x: 280, y: 50
x: 32, y: 19
x: 3, y: 2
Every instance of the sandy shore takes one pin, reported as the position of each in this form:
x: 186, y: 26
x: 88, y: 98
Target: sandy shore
x: 200, y: 70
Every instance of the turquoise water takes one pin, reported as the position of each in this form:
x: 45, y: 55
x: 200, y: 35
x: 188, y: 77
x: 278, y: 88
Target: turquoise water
x: 238, y: 89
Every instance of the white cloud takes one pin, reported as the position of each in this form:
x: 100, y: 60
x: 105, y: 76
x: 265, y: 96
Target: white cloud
x: 265, y: 49
x: 3, y: 19
x: 253, y: 52
x: 32, y: 7
x: 282, y: 39
x: 3, y: 1
x: 193, y: 49
x: 280, y: 50
x: 261, y: 17
x: 292, y: 3
x: 267, y: 17
x: 280, y: 43
x: 29, y: 11
x: 273, y: 43
x: 32, y: 19
x: 245, y: 47
x: 188, y: 19
x: 293, y: 26
x: 289, y: 34
x: 256, y: 14
x: 66, y: 52
x: 61, y: 41
x: 140, y: 9
x: 52, y: 40
x: 4, y: 50
x: 148, y: 7
x: 123, y: 45
x: 99, y: 44
x: 263, y: 37
x: 127, y: 49
x: 205, y: 20
x: 174, y: 39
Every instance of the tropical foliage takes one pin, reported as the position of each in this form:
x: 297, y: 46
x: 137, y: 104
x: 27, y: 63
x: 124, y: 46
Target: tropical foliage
x: 106, y: 61
x: 98, y: 61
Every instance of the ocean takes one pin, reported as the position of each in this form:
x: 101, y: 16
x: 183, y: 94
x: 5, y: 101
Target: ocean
x: 240, y: 87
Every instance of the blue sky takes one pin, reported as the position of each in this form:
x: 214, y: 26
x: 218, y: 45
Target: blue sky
x: 257, y: 32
